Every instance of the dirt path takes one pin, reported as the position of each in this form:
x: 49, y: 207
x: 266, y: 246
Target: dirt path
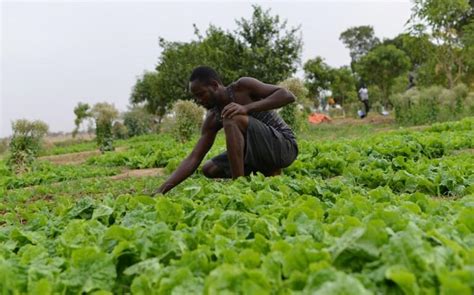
x: 75, y: 158
x: 139, y: 173
x: 374, y: 119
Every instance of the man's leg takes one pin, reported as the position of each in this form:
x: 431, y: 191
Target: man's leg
x: 235, y: 129
x: 211, y: 170
x: 367, y: 107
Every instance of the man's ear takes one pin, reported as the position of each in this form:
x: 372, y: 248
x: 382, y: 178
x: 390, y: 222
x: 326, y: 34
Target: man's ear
x: 214, y: 84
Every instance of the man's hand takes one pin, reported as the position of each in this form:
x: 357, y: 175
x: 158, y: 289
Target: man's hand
x: 233, y: 109
x: 162, y: 189
x: 157, y: 192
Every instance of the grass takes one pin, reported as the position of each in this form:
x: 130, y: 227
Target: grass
x: 347, y: 128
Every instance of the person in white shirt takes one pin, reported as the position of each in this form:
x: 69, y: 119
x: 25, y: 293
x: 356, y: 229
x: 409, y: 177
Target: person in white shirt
x: 364, y: 98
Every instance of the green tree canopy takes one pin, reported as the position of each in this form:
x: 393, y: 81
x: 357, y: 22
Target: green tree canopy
x: 270, y: 51
x: 446, y: 20
x: 146, y: 91
x: 359, y: 40
x: 381, y: 66
x: 343, y: 84
x: 418, y: 48
x: 317, y: 75
x: 82, y: 111
x: 261, y: 47
x: 341, y: 81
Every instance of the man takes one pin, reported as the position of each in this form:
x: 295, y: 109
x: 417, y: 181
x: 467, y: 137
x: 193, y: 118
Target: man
x: 257, y: 139
x: 364, y: 98
x: 324, y: 96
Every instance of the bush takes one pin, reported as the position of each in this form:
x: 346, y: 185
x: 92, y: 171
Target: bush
x: 138, y: 121
x: 375, y: 95
x: 119, y: 130
x: 3, y: 145
x: 290, y: 113
x: 25, y: 143
x: 433, y: 104
x: 188, y: 119
x: 104, y: 114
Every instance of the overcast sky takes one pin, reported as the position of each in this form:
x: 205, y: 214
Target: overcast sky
x: 55, y: 54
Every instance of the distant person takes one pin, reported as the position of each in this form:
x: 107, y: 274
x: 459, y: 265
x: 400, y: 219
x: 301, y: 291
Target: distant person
x: 411, y: 81
x: 364, y: 98
x: 324, y: 97
x: 257, y: 139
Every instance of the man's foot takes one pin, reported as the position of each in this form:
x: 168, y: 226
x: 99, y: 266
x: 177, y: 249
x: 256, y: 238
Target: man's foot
x: 273, y: 173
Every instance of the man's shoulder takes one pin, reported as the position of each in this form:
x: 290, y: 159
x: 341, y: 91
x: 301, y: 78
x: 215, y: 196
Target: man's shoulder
x: 244, y: 83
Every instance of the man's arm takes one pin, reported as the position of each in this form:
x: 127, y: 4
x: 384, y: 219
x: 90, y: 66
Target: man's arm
x: 264, y: 97
x: 191, y: 163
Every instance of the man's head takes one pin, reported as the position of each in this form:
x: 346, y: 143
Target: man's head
x: 204, y: 84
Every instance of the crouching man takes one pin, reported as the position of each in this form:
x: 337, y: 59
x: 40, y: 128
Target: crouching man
x: 257, y: 138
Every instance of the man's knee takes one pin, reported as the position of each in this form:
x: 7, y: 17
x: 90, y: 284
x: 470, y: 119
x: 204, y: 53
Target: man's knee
x: 211, y: 170
x: 241, y: 121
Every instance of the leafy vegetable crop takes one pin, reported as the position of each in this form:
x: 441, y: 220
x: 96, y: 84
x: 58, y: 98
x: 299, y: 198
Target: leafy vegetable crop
x: 392, y: 214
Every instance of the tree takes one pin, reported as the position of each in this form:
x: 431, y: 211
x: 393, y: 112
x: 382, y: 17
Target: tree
x: 445, y: 19
x: 359, y: 40
x: 82, y: 112
x: 341, y: 81
x: 158, y: 90
x: 343, y: 85
x: 270, y: 52
x: 261, y: 47
x: 421, y: 52
x: 217, y: 49
x: 222, y: 51
x: 382, y: 66
x: 147, y: 91
x: 318, y: 75
x: 418, y: 48
x: 468, y: 52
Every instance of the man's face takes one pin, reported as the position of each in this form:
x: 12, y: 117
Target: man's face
x: 205, y: 94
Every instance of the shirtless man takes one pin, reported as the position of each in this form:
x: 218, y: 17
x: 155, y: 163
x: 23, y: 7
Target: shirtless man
x: 257, y: 139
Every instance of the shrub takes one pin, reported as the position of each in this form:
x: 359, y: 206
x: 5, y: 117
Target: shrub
x: 138, y: 121
x: 119, y: 130
x: 433, y: 104
x: 25, y: 143
x: 3, y: 145
x: 188, y: 119
x: 290, y: 113
x: 104, y: 115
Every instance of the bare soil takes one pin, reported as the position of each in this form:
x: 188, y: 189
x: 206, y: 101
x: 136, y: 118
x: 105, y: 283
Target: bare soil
x: 60, y: 137
x: 371, y: 119
x: 74, y: 158
x: 138, y: 173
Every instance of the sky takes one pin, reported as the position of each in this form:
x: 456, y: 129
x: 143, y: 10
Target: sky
x: 55, y: 54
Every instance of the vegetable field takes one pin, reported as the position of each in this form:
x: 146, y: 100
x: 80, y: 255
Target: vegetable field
x: 391, y: 213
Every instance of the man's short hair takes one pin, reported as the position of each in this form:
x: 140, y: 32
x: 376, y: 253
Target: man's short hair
x: 204, y: 74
